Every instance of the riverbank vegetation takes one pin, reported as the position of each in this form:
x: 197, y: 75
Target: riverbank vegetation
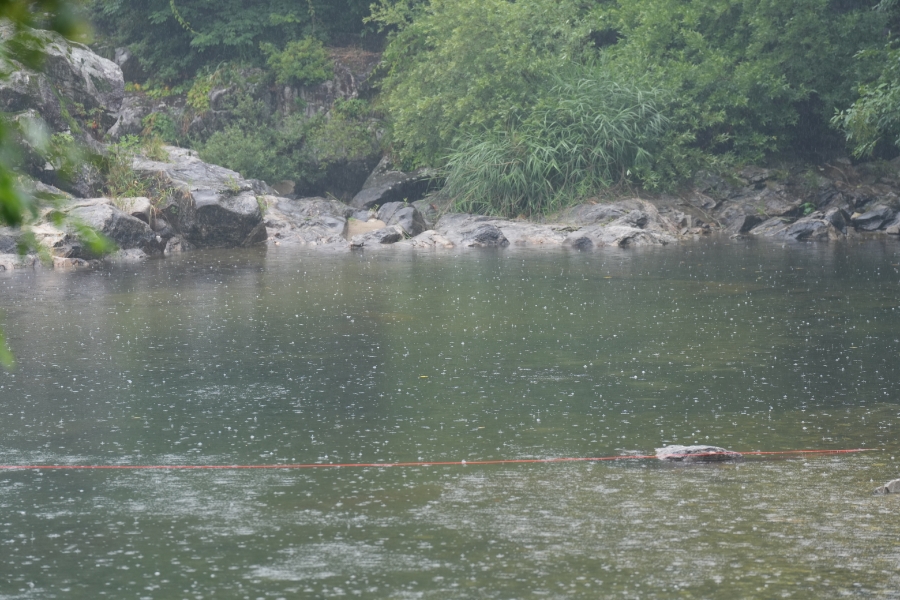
x: 529, y: 105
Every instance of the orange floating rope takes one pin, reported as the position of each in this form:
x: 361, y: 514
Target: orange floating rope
x: 401, y: 464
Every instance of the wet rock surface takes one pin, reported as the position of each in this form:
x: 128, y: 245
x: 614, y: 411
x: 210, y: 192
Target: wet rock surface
x: 379, y: 237
x: 71, y: 73
x: 386, y: 184
x: 306, y: 221
x: 696, y: 454
x: 806, y: 204
x: 403, y: 215
x: 471, y: 231
x: 891, y: 487
x: 209, y: 206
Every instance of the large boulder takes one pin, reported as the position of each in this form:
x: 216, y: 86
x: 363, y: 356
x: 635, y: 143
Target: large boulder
x: 405, y: 216
x: 75, y: 87
x: 873, y: 219
x: 472, y: 231
x: 307, y: 221
x: 387, y: 184
x: 634, y: 211
x: 379, y: 237
x: 126, y: 231
x: 102, y: 215
x: 208, y: 206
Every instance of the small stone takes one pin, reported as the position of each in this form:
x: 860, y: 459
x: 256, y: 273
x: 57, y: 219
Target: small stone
x: 696, y: 454
x: 891, y: 487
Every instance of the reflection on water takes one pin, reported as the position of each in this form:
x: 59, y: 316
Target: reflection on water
x: 301, y: 357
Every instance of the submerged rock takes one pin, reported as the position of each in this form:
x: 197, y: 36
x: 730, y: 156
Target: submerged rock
x: 696, y: 454
x: 891, y: 487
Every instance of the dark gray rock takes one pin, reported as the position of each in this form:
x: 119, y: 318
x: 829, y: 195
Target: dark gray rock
x: 471, y: 231
x: 210, y: 206
x: 126, y: 231
x: 815, y: 227
x: 771, y: 227
x: 388, y: 185
x: 891, y: 487
x: 343, y: 179
x: 873, y: 219
x: 742, y: 223
x: 379, y: 237
x: 407, y: 217
x: 696, y: 454
x: 838, y: 219
x: 431, y: 209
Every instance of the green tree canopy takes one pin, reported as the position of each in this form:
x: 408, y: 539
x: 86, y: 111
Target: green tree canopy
x: 174, y: 38
x: 744, y: 78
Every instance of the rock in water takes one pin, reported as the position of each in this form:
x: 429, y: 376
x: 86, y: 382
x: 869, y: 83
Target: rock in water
x: 891, y: 487
x: 696, y: 454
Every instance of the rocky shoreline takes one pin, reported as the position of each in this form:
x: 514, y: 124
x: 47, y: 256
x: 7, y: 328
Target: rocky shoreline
x: 197, y: 205
x: 207, y: 206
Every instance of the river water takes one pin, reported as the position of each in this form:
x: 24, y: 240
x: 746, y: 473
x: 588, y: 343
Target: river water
x: 301, y: 357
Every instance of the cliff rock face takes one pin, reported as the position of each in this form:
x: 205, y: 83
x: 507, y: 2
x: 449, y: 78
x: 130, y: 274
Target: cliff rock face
x: 76, y: 89
x: 827, y: 202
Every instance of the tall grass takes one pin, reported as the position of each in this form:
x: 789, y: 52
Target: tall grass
x: 587, y: 133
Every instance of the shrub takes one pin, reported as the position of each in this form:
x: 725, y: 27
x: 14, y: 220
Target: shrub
x: 302, y: 62
x: 588, y: 132
x: 460, y: 67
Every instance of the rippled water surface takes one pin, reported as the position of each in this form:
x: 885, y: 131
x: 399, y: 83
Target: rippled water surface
x: 299, y: 357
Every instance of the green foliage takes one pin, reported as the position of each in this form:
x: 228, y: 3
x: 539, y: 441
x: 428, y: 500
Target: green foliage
x: 160, y: 126
x: 347, y: 135
x: 120, y: 180
x: 259, y: 144
x: 458, y: 67
x: 872, y: 124
x: 588, y: 132
x: 746, y: 79
x: 302, y: 62
x: 174, y: 40
x: 874, y: 119
x: 267, y: 145
x: 750, y: 77
x: 198, y: 95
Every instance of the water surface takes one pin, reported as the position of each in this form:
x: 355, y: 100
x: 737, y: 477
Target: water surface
x: 292, y: 356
